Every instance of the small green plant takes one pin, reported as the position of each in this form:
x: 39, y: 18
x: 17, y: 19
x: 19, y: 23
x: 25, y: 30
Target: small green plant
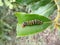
x: 40, y: 13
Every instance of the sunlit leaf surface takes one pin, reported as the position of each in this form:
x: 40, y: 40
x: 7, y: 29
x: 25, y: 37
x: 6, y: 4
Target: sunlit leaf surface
x: 21, y: 17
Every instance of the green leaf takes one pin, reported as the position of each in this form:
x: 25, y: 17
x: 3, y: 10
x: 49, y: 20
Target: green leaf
x: 26, y: 1
x: 1, y: 3
x: 22, y: 17
x: 45, y: 10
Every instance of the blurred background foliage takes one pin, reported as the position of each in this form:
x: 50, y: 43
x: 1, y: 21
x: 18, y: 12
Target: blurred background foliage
x: 8, y: 21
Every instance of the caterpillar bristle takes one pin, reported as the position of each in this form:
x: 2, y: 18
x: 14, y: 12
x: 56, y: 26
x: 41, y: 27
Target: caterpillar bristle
x: 32, y: 22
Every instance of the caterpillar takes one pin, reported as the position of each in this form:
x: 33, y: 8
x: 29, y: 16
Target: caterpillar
x: 32, y: 22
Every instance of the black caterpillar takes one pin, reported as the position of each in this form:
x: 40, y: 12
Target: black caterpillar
x: 32, y: 22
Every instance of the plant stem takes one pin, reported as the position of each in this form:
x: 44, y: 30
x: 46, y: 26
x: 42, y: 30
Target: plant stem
x: 57, y: 2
